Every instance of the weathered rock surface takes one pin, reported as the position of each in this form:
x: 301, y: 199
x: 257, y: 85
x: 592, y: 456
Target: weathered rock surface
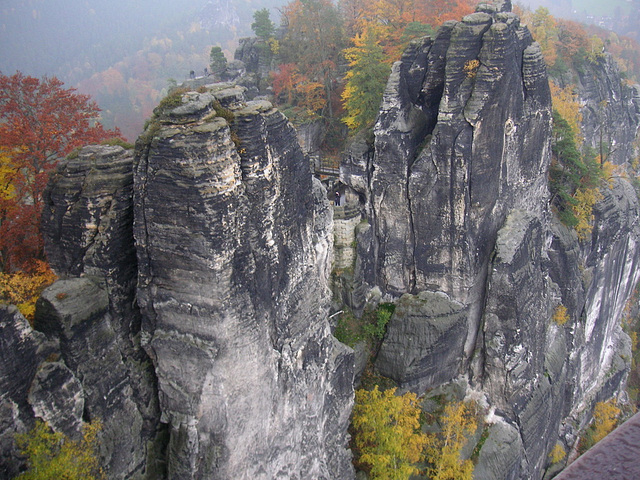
x: 234, y: 247
x: 456, y: 187
x: 56, y: 396
x: 191, y: 314
x: 611, y: 110
x: 230, y: 350
x: 424, y: 342
x: 22, y: 352
x: 91, y: 311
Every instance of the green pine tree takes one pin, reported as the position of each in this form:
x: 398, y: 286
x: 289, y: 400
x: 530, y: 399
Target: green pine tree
x: 262, y: 25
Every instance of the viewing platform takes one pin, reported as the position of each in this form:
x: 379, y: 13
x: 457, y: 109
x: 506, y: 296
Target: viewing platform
x: 615, y: 457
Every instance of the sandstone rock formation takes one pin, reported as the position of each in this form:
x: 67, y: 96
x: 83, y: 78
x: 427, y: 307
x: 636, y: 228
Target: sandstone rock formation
x: 456, y: 187
x: 191, y: 314
x: 234, y: 246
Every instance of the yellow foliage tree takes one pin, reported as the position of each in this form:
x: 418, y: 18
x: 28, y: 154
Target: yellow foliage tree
x: 366, y: 78
x: 560, y: 315
x: 543, y: 28
x: 586, y: 198
x: 23, y: 288
x: 387, y: 439
x: 557, y: 453
x: 52, y: 455
x: 443, y: 449
x: 565, y: 101
x: 7, y: 173
x: 596, y: 49
x: 605, y: 417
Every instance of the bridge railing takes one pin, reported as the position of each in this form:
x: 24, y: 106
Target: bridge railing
x: 326, y: 166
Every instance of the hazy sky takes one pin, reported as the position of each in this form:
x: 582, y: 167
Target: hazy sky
x: 39, y: 36
x: 50, y: 37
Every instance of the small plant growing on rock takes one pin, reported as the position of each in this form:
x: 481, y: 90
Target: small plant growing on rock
x: 557, y: 453
x: 471, y: 67
x: 377, y: 328
x: 560, y: 315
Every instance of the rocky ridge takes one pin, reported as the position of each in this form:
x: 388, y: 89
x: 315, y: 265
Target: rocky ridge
x: 192, y: 311
x: 191, y: 314
x: 455, y: 189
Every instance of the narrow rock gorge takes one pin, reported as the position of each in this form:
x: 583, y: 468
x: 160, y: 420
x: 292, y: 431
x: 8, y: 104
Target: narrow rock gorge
x: 192, y: 314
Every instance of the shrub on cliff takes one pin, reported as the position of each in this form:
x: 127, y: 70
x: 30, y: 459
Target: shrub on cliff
x: 605, y: 419
x: 52, y: 455
x: 388, y: 441
x: 574, y: 178
x: 444, y: 448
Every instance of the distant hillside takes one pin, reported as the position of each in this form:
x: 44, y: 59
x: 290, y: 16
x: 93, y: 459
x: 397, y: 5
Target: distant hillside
x: 121, y: 52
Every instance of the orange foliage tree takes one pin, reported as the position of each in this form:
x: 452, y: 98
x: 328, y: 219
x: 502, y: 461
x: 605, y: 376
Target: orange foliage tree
x: 40, y: 122
x: 313, y: 42
x: 401, y: 20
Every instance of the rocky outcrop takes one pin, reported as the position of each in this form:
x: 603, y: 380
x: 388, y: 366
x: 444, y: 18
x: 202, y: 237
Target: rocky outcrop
x: 441, y: 183
x: 424, y: 343
x: 610, y: 110
x: 455, y: 179
x: 22, y: 353
x: 191, y: 315
x: 234, y: 247
x: 92, y: 312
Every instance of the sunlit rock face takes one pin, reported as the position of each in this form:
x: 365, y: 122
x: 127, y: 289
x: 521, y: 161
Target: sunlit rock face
x: 455, y: 180
x: 234, y: 241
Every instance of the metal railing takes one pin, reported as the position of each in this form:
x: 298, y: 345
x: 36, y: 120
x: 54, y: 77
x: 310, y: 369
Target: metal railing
x: 326, y: 166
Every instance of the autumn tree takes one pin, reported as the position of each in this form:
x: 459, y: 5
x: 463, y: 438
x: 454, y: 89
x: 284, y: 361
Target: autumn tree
x: 574, y: 178
x: 557, y: 454
x: 400, y: 21
x: 52, y: 455
x: 387, y: 438
x: 572, y: 44
x: 543, y: 28
x: 313, y: 43
x: 366, y: 79
x: 565, y: 102
x: 443, y: 449
x: 40, y: 122
x: 605, y: 418
x: 22, y: 289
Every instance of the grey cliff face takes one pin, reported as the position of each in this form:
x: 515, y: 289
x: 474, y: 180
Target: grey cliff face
x: 234, y: 248
x: 91, y: 311
x: 22, y: 353
x: 611, y: 111
x: 455, y: 181
x: 440, y: 180
x: 191, y: 313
